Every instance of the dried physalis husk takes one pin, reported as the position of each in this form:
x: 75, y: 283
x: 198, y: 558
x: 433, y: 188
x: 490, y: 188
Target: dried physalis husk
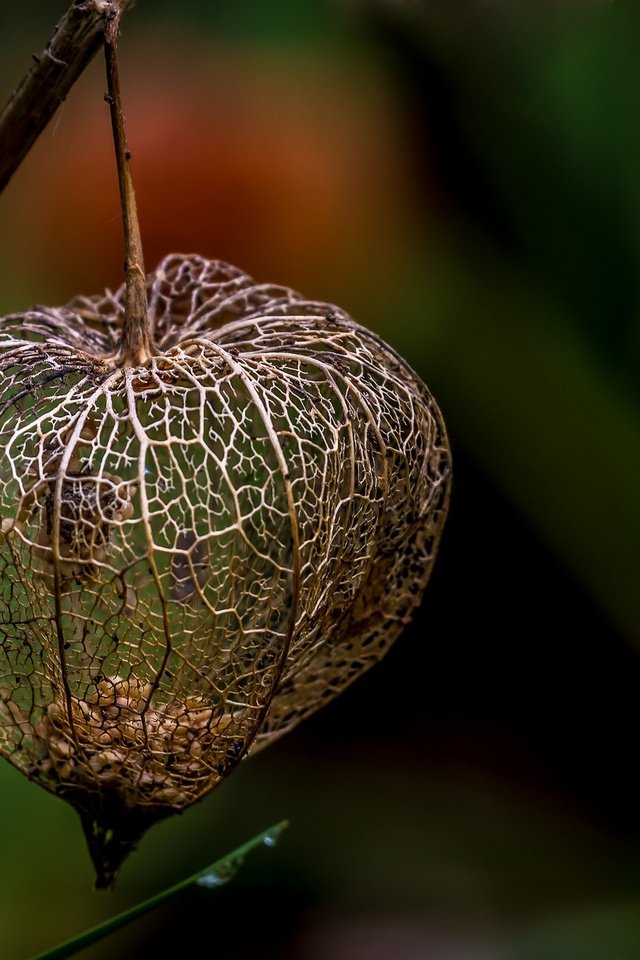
x: 198, y: 551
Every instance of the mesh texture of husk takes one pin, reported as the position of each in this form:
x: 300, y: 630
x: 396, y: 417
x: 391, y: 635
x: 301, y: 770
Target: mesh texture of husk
x: 198, y: 552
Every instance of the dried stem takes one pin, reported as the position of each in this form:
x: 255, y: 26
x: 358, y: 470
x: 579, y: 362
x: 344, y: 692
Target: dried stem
x: 135, y: 341
x: 75, y: 40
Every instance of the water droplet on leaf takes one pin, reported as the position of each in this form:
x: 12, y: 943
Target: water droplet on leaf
x: 271, y: 838
x: 221, y: 874
x: 213, y: 879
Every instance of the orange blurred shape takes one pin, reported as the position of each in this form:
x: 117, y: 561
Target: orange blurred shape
x: 293, y: 168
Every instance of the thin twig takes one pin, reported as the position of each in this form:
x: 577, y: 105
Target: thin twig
x: 135, y: 343
x: 74, y: 42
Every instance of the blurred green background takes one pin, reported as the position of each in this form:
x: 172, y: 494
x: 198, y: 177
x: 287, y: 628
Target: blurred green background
x: 463, y: 178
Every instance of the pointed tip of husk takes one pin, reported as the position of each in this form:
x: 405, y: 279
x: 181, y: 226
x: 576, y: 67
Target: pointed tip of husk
x: 110, y: 840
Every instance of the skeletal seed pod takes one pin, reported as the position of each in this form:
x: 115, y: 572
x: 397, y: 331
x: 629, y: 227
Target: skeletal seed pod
x: 198, y: 550
x: 219, y: 504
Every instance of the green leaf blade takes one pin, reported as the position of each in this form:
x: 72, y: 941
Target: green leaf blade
x: 214, y: 875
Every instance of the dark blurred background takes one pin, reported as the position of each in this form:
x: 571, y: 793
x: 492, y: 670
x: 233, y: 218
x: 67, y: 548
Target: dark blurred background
x: 463, y: 177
